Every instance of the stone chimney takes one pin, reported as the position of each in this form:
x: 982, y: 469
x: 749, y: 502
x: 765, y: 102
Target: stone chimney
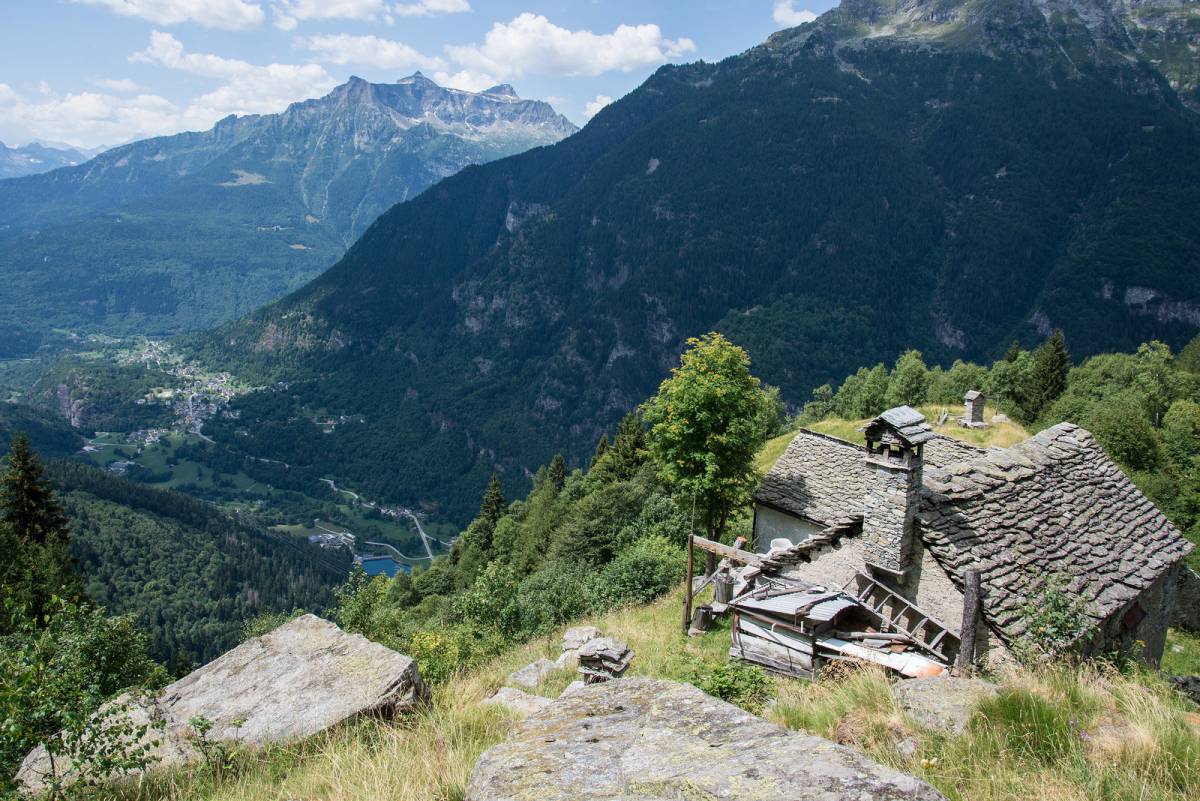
x: 895, y: 445
x: 973, y: 407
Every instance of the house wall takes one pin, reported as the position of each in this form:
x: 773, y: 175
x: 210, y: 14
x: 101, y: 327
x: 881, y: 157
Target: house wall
x: 1159, y: 609
x: 1185, y: 602
x: 771, y: 523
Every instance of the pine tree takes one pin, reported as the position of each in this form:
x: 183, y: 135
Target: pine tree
x: 601, y: 449
x: 628, y: 447
x: 1014, y: 351
x: 1048, y: 375
x: 34, y: 564
x: 27, y: 500
x: 494, y: 505
x: 558, y: 471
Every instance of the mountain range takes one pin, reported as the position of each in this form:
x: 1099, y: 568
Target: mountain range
x: 180, y: 232
x: 36, y: 157
x: 942, y: 175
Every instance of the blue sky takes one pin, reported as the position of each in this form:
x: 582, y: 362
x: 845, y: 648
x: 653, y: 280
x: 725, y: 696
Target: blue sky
x: 92, y: 72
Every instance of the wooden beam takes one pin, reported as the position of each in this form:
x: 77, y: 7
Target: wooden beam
x: 687, y: 593
x: 728, y: 552
x: 970, y: 623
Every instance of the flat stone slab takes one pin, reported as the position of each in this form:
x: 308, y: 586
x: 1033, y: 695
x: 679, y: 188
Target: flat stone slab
x: 522, y: 703
x: 532, y: 674
x: 654, y: 740
x: 575, y: 637
x: 944, y: 703
x: 296, y: 681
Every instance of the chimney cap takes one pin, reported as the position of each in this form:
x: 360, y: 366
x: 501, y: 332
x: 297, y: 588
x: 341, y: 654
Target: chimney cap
x: 902, y: 424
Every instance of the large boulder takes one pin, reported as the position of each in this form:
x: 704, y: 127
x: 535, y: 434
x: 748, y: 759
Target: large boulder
x: 653, y: 740
x: 300, y: 679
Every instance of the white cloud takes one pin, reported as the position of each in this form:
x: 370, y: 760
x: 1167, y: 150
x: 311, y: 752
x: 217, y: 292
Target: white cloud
x: 87, y: 119
x: 122, y: 85
x: 228, y: 14
x: 248, y: 88
x: 785, y: 13
x: 370, y: 50
x: 593, y: 106
x: 290, y: 12
x: 532, y: 44
x: 429, y: 8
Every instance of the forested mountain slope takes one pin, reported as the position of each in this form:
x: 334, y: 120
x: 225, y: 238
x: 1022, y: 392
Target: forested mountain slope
x: 177, y: 233
x: 190, y: 573
x: 940, y: 175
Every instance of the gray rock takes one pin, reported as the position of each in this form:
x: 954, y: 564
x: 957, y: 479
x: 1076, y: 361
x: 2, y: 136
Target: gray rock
x: 578, y: 684
x: 603, y: 658
x: 653, y: 740
x: 944, y: 703
x: 567, y: 660
x: 522, y: 703
x: 532, y: 674
x: 299, y: 679
x: 907, y: 748
x: 575, y: 637
x: 1188, y: 685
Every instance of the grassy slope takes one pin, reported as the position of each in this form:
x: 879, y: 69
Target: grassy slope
x: 1055, y: 733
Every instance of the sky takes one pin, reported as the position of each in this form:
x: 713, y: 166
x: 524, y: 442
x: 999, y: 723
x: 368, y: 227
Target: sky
x: 104, y: 72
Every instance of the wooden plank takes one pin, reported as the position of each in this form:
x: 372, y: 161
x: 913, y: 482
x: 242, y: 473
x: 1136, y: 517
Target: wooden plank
x: 728, y: 552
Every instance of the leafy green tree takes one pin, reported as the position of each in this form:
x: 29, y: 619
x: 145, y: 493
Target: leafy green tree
x: 872, y: 398
x: 1189, y: 357
x: 706, y: 427
x: 1047, y: 376
x: 1124, y: 432
x: 58, y: 678
x: 1157, y: 379
x: 1008, y: 382
x: 950, y: 386
x: 847, y: 399
x: 909, y: 382
x: 1181, y: 432
x: 820, y: 406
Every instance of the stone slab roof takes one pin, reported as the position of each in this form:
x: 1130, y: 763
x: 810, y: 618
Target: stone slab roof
x: 1053, y: 504
x: 823, y: 478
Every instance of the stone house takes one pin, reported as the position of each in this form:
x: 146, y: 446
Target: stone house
x: 915, y: 510
x: 973, y: 406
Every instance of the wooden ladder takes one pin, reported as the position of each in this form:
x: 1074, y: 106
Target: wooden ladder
x: 901, y: 615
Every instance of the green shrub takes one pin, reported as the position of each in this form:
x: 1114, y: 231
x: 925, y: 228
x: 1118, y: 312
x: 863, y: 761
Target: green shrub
x: 737, y: 682
x: 642, y: 572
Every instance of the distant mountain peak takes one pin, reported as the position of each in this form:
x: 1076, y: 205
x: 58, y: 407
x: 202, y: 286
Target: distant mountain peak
x: 501, y: 89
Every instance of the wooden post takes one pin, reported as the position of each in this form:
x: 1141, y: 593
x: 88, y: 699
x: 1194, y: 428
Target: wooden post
x: 687, y: 592
x: 970, y: 623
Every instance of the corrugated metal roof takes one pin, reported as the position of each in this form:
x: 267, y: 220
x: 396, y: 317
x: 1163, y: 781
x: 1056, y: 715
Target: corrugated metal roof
x: 828, y: 610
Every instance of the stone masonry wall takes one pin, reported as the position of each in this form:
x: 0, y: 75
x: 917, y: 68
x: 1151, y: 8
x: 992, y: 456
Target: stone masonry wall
x: 889, y: 509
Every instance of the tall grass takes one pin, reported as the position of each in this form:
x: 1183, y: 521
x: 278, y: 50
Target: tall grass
x: 1059, y: 733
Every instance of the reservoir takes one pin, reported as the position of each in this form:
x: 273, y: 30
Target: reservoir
x: 381, y: 565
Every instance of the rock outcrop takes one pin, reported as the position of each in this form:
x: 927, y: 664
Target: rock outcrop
x: 649, y: 739
x: 300, y: 679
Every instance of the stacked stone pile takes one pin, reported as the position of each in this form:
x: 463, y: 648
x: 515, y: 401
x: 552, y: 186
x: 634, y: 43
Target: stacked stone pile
x: 603, y: 658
